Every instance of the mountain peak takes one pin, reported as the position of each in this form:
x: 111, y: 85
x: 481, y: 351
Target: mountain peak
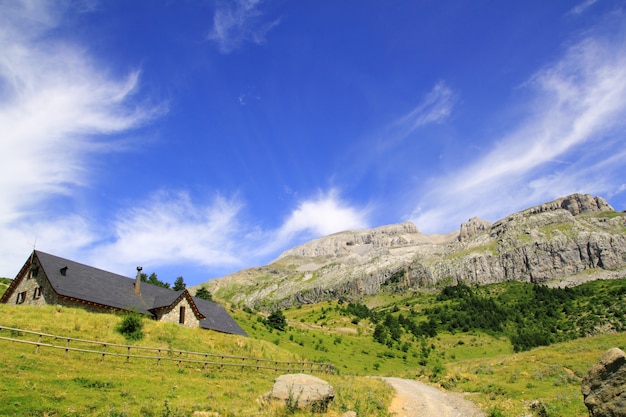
x: 363, y: 241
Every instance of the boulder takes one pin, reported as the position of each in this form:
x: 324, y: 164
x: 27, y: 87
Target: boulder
x: 604, y: 387
x: 302, y: 391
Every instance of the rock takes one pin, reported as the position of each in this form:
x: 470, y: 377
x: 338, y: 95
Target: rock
x: 357, y: 241
x: 575, y: 204
x: 473, y: 227
x: 205, y: 414
x: 604, y: 387
x: 349, y: 414
x: 302, y: 391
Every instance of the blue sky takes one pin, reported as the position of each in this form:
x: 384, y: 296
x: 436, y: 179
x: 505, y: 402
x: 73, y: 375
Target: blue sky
x: 198, y: 138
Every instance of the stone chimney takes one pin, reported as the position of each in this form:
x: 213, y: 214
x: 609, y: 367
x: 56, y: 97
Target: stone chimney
x: 138, y: 281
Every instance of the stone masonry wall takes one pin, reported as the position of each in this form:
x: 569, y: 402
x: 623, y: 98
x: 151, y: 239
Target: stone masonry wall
x: 172, y: 315
x: 35, y: 287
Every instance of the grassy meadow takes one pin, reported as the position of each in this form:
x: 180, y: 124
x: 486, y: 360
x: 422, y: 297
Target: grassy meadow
x: 457, y: 352
x: 51, y: 383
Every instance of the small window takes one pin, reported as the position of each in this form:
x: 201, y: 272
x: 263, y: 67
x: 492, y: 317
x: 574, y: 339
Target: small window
x: 21, y: 297
x: 33, y: 272
x: 37, y: 293
x: 181, y: 318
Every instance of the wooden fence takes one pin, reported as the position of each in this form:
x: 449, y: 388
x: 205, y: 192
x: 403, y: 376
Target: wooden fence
x: 103, y: 349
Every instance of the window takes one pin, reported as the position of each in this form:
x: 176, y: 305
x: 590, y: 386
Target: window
x: 37, y: 293
x: 33, y: 272
x: 181, y: 317
x: 20, y: 297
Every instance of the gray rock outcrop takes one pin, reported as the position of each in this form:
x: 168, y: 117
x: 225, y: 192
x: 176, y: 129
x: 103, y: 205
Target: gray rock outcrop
x: 604, y: 387
x: 472, y: 227
x: 564, y: 242
x: 302, y: 391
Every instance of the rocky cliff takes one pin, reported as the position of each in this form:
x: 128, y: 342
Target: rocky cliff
x: 566, y: 241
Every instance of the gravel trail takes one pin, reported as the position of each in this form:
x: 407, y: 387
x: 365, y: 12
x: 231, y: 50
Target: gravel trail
x: 416, y: 399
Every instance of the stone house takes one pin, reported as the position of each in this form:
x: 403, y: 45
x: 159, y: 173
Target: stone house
x: 47, y: 279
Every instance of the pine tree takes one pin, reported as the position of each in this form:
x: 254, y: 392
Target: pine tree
x: 179, y: 284
x: 203, y: 293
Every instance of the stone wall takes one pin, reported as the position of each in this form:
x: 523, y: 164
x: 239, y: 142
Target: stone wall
x: 172, y: 314
x: 33, y: 289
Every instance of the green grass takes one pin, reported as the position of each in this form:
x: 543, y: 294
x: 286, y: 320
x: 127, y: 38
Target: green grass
x: 4, y: 284
x: 557, y: 230
x: 50, y: 383
x: 490, y: 248
x: 551, y: 375
x: 481, y: 363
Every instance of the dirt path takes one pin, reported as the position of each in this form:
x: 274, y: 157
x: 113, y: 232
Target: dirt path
x: 415, y: 399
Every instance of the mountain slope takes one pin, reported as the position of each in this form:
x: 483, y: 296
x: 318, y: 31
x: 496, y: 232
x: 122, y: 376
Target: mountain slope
x: 571, y: 239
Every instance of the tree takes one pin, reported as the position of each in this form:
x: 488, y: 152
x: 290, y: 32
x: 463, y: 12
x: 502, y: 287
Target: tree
x: 203, y: 293
x: 179, y: 284
x: 276, y: 320
x: 154, y: 280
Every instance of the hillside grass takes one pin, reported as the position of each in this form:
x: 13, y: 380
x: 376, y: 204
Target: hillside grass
x: 51, y: 383
x: 550, y: 375
x: 479, y: 360
x: 4, y: 284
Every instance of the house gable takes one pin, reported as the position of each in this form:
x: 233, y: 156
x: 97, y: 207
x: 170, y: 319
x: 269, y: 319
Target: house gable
x: 182, y: 310
x: 30, y: 286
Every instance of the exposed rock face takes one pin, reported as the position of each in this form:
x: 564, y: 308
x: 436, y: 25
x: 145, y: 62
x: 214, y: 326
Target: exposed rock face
x: 302, y: 391
x: 575, y: 204
x: 359, y: 241
x: 472, y: 227
x: 569, y: 240
x: 604, y: 387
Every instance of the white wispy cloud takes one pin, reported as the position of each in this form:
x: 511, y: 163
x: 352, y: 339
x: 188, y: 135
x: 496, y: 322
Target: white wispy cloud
x: 324, y: 214
x: 375, y: 151
x: 57, y: 107
x: 320, y: 215
x: 239, y: 21
x: 574, y: 125
x: 435, y: 107
x: 169, y: 228
x: 580, y: 8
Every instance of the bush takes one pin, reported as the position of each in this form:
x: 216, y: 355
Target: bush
x: 131, y: 327
x: 276, y: 320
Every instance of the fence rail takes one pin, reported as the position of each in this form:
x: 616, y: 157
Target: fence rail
x: 157, y: 354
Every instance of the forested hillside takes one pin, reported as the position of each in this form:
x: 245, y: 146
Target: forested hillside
x: 528, y: 315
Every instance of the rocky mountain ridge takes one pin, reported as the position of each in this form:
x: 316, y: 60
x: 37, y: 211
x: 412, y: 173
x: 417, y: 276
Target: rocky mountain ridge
x: 569, y: 240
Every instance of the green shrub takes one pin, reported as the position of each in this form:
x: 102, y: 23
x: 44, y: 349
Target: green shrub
x: 131, y: 327
x: 276, y: 320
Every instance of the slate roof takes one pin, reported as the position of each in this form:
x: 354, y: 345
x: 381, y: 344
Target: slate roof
x: 93, y: 285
